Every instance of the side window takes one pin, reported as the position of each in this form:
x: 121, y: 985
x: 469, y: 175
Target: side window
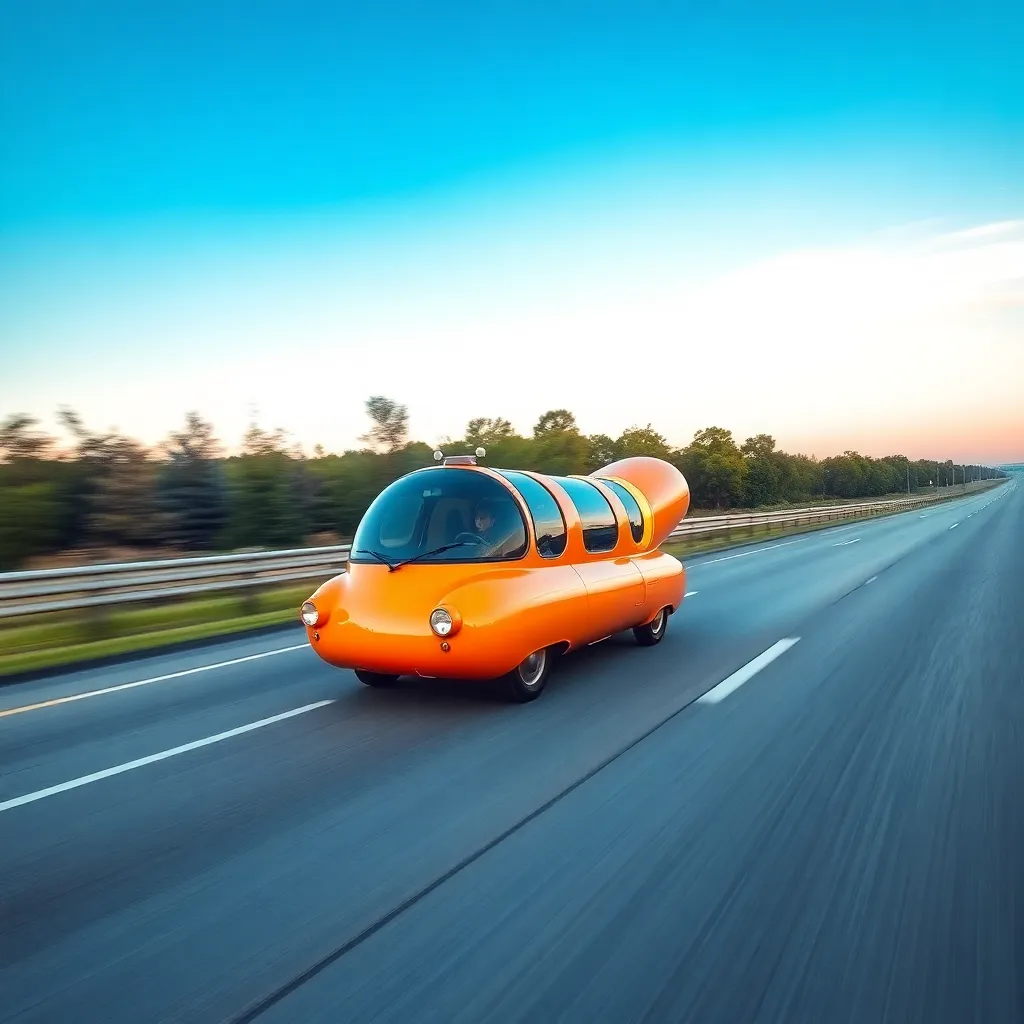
x: 633, y: 513
x: 600, y: 527
x: 548, y: 521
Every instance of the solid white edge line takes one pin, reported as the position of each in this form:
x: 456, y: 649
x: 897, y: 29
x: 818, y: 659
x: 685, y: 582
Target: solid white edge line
x: 53, y: 701
x: 740, y: 676
x: 84, y: 780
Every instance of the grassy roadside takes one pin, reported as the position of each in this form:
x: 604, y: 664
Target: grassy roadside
x: 73, y: 638
x: 70, y: 639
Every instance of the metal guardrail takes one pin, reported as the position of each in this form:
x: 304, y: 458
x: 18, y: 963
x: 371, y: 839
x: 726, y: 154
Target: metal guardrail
x: 93, y: 586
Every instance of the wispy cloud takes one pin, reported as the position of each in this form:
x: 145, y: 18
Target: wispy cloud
x: 877, y: 342
x: 1011, y: 228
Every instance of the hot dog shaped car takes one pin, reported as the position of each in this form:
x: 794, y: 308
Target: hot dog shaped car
x: 460, y: 571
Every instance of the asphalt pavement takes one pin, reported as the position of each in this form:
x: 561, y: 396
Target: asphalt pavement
x: 803, y: 805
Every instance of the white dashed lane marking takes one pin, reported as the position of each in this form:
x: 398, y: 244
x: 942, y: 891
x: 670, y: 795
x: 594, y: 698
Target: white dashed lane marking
x: 740, y: 676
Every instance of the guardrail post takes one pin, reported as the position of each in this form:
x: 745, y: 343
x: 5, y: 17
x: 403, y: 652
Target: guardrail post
x: 98, y: 624
x: 248, y: 599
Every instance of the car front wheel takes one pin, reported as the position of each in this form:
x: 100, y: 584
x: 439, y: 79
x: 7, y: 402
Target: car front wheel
x: 651, y: 633
x: 526, y: 681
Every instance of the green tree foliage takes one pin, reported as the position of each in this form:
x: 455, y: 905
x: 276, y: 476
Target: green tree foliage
x: 801, y: 478
x: 488, y: 432
x: 714, y: 467
x: 390, y: 424
x: 504, y: 446
x: 268, y: 503
x: 558, y: 446
x: 763, y: 484
x: 555, y: 421
x: 29, y: 522
x: 192, y: 486
x: 115, y: 493
x: 601, y: 450
x: 107, y: 489
x: 642, y: 441
x: 19, y: 441
x: 762, y: 446
x: 124, y: 507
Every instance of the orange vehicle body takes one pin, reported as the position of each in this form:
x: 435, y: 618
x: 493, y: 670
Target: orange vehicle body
x: 376, y: 618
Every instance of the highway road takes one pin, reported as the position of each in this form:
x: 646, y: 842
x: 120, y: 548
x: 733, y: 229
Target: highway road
x: 804, y: 805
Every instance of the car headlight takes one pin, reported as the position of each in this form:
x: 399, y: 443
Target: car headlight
x: 441, y: 621
x: 309, y: 615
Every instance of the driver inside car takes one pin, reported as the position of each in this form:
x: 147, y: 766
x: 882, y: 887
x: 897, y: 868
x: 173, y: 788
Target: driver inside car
x: 494, y: 536
x: 483, y: 519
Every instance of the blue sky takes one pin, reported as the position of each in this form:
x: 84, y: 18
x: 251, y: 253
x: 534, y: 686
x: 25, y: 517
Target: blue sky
x: 114, y: 109
x: 199, y: 195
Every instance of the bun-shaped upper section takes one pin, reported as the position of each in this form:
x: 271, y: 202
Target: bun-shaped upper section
x: 662, y: 485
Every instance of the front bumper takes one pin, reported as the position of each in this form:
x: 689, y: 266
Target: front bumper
x: 472, y: 653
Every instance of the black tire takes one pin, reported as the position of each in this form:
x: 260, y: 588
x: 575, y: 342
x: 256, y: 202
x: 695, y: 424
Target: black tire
x: 527, y: 680
x: 375, y: 679
x: 653, y: 631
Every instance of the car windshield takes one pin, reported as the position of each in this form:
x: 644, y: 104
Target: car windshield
x: 441, y: 515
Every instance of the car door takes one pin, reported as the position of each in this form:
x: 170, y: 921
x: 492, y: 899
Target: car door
x: 616, y: 591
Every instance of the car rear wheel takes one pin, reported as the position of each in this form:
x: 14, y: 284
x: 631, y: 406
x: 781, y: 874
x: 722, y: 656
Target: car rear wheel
x: 377, y: 679
x: 651, y: 633
x: 526, y: 681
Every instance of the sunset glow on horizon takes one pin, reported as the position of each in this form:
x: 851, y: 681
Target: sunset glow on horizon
x: 842, y: 268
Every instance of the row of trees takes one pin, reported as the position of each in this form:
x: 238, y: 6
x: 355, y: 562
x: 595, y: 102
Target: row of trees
x: 109, y: 490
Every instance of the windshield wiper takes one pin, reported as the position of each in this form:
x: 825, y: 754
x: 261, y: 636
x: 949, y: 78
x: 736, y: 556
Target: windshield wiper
x: 378, y: 556
x: 434, y: 551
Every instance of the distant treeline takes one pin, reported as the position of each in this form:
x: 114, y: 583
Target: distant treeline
x: 108, y: 490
